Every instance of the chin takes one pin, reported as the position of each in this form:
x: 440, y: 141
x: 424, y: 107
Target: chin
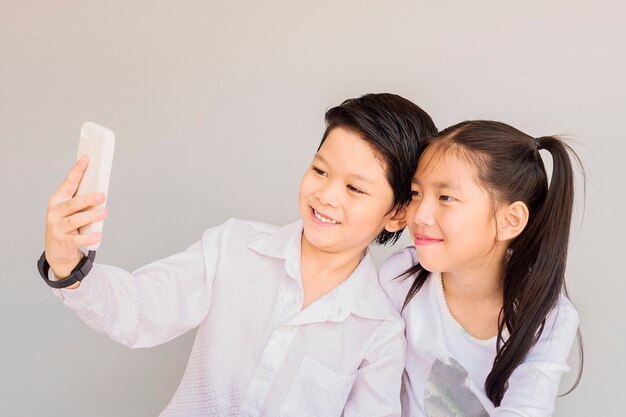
x: 319, y: 240
x: 428, y: 265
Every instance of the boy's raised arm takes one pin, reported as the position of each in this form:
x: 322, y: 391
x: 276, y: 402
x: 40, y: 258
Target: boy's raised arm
x: 154, y: 304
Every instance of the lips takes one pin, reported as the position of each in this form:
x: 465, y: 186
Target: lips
x: 322, y: 218
x: 424, y: 240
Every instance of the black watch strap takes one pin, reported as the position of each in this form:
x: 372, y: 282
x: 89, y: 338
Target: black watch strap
x: 78, y: 273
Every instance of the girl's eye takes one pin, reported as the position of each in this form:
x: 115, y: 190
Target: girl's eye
x: 354, y: 189
x: 415, y: 194
x: 446, y: 198
x: 319, y: 171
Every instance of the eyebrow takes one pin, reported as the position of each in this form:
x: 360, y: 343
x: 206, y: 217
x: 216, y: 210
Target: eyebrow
x: 351, y: 175
x: 439, y: 185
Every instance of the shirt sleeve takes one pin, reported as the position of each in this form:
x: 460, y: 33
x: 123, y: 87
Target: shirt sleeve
x: 376, y: 389
x: 534, y: 385
x: 154, y: 304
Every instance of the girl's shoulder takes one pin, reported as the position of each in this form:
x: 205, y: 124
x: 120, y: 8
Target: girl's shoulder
x: 564, y: 317
x: 397, y: 263
x: 559, y: 333
x: 390, y: 275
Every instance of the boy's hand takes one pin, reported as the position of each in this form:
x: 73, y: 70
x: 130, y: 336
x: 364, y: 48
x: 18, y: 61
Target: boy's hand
x: 65, y: 215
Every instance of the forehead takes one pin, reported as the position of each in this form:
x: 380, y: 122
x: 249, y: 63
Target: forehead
x: 449, y: 166
x: 346, y: 150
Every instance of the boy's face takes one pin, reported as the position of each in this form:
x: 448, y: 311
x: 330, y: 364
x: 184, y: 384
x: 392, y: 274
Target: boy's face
x: 344, y: 196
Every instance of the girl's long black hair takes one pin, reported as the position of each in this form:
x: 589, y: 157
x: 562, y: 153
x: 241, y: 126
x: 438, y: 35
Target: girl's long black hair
x: 509, y: 166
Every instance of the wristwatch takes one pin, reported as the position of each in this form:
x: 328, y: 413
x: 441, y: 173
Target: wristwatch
x: 78, y: 273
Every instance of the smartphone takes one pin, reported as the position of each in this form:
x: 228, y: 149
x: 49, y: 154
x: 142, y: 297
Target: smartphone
x: 98, y: 143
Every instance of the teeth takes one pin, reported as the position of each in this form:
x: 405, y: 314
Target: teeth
x: 324, y: 219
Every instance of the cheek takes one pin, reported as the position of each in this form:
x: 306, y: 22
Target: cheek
x: 411, y: 209
x: 371, y: 213
x: 475, y: 230
x: 306, y: 184
x: 355, y: 211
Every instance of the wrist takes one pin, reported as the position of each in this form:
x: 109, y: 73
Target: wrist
x: 63, y: 270
x: 77, y: 274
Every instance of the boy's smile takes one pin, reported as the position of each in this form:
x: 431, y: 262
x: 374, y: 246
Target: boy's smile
x: 344, y: 197
x: 323, y: 220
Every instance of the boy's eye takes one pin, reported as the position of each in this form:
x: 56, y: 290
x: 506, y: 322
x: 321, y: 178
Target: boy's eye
x: 354, y: 189
x: 319, y: 171
x: 446, y: 198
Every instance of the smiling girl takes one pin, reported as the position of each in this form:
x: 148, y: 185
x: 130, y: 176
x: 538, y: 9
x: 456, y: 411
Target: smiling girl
x: 489, y: 325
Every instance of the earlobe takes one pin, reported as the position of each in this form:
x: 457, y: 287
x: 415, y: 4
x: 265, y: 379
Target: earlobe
x: 513, y: 220
x: 397, y: 221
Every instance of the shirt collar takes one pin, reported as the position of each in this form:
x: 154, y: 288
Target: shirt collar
x: 360, y: 294
x: 283, y: 244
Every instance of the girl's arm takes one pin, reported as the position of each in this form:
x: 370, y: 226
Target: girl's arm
x: 376, y: 389
x: 533, y: 386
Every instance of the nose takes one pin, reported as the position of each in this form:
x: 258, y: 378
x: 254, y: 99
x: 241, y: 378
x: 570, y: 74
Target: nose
x: 421, y: 212
x: 328, y: 193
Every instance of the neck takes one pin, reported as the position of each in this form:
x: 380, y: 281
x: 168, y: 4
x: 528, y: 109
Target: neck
x: 321, y: 263
x: 475, y: 284
x: 322, y: 271
x: 474, y: 294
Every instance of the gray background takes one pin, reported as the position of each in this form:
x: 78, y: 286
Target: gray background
x: 218, y: 107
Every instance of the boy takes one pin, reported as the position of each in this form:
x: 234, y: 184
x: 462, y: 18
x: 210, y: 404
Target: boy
x: 292, y: 320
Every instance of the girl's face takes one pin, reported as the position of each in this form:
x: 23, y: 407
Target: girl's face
x: 344, y: 196
x: 451, y: 217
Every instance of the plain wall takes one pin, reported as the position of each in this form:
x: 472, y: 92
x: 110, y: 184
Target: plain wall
x: 218, y: 108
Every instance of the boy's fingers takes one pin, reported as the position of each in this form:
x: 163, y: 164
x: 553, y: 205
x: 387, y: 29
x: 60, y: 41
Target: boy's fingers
x: 72, y: 181
x: 84, y: 218
x: 88, y: 239
x: 78, y: 204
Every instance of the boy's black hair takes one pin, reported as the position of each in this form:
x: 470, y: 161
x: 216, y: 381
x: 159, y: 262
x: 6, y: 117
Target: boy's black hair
x: 395, y: 128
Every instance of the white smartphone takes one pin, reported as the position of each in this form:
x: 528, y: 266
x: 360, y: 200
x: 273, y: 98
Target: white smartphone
x: 98, y: 143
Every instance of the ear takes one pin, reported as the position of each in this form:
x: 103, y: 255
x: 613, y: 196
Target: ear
x: 513, y: 220
x: 397, y: 221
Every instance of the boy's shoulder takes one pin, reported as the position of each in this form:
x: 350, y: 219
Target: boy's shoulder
x: 237, y: 236
x: 247, y: 230
x: 243, y: 227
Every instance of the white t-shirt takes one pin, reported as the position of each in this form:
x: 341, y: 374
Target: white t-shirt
x: 256, y: 353
x: 446, y: 367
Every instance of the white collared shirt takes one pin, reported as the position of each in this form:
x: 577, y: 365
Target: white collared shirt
x: 256, y: 353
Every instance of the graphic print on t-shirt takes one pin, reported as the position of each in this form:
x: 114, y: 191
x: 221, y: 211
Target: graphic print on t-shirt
x: 448, y: 392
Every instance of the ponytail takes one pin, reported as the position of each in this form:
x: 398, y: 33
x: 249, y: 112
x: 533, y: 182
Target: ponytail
x: 534, y: 274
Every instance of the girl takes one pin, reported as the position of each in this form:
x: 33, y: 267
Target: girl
x: 489, y: 325
x: 292, y: 321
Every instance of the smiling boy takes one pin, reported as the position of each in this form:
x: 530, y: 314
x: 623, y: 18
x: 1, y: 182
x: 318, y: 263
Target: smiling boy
x: 292, y: 320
